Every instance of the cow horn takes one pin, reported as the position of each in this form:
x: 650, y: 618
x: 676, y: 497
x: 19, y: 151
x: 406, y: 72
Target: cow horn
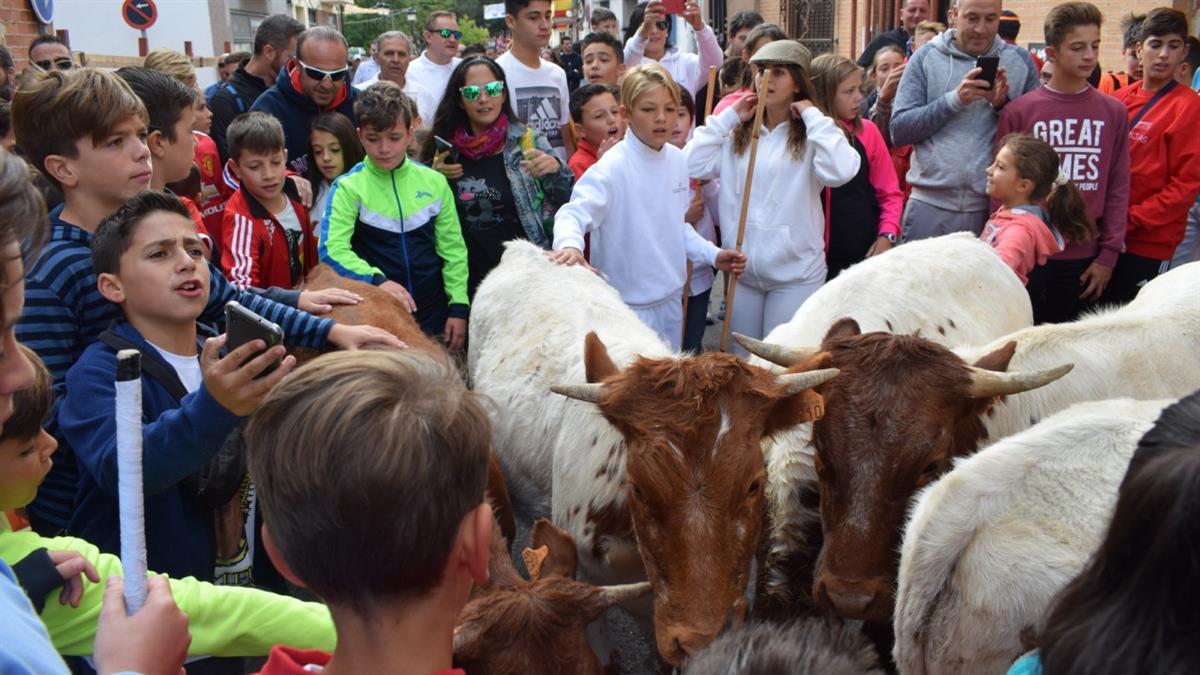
x: 798, y: 382
x: 777, y: 354
x: 989, y: 383
x: 580, y: 392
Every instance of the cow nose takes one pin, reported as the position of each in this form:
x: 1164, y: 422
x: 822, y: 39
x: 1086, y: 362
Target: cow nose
x: 683, y: 642
x: 868, y: 600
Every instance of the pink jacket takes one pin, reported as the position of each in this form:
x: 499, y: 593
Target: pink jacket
x: 1022, y: 239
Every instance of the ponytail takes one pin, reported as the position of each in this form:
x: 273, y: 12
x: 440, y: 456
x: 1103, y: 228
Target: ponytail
x: 1038, y: 162
x: 1068, y: 213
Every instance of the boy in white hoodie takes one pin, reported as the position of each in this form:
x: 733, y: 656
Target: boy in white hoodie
x: 633, y: 203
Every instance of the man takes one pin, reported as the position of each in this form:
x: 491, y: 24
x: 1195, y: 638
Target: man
x: 432, y: 69
x: 571, y: 62
x: 395, y: 53
x: 1010, y: 28
x: 227, y: 64
x: 913, y: 13
x: 317, y: 80
x: 949, y: 117
x: 370, y: 66
x: 1131, y: 39
x: 49, y: 53
x: 604, y: 21
x: 739, y: 27
x: 536, y: 87
x: 274, y: 44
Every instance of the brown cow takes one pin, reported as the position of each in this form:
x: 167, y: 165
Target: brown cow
x: 510, y: 626
x: 381, y: 309
x: 869, y: 462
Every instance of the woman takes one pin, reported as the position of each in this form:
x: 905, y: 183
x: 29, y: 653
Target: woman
x: 649, y: 38
x: 507, y: 184
x: 335, y: 150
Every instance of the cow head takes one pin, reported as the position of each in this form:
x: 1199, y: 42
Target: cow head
x: 901, y: 409
x: 510, y: 626
x: 694, y: 474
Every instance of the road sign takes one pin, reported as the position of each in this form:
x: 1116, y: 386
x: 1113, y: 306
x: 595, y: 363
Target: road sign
x: 43, y: 10
x: 493, y: 12
x: 139, y: 14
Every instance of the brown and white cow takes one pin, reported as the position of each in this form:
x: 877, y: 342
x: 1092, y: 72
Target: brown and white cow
x: 511, y: 626
x: 651, y: 460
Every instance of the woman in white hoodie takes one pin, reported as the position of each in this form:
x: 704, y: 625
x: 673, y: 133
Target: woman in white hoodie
x: 649, y: 40
x: 800, y: 152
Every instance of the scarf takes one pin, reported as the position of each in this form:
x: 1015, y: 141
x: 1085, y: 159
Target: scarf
x: 484, y: 144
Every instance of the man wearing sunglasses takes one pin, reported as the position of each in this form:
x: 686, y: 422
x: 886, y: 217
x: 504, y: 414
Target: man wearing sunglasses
x: 47, y: 52
x: 432, y: 69
x: 317, y: 80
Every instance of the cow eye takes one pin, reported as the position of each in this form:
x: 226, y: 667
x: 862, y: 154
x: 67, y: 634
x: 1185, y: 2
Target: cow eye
x: 635, y: 491
x: 754, y: 487
x: 929, y: 474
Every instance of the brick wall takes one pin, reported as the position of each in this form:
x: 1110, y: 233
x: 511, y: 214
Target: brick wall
x: 20, y: 27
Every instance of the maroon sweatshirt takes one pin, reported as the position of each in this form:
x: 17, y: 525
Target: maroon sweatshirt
x: 1090, y: 132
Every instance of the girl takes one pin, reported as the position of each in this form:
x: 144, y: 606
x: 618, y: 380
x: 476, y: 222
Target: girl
x: 633, y: 201
x: 649, y: 40
x: 886, y: 72
x: 1133, y: 607
x: 506, y: 183
x: 800, y: 151
x: 862, y: 217
x: 1025, y: 172
x: 335, y: 150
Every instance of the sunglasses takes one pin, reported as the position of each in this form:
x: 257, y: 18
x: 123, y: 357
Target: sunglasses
x: 662, y: 25
x: 471, y: 91
x: 61, y: 63
x: 319, y: 75
x: 446, y: 33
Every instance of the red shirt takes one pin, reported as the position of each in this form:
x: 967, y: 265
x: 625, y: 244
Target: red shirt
x: 212, y: 185
x: 1164, y: 168
x: 292, y: 661
x: 583, y: 158
x: 256, y: 250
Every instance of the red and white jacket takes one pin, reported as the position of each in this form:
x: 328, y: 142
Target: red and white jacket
x: 254, y: 247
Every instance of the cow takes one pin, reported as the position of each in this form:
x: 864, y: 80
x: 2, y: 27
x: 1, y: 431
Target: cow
x: 511, y: 626
x: 954, y: 290
x: 902, y: 408
x: 990, y: 544
x: 804, y: 646
x: 650, y: 459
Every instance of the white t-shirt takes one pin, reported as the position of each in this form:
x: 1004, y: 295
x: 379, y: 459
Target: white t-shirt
x: 186, y: 367
x: 539, y: 97
x: 288, y: 218
x: 426, y: 102
x: 430, y: 75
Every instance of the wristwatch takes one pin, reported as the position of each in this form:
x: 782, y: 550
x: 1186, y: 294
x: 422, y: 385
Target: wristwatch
x: 890, y: 237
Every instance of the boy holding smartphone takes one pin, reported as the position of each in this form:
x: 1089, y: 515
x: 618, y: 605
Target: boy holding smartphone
x: 149, y: 261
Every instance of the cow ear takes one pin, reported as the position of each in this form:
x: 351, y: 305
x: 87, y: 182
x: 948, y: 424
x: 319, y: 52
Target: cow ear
x: 999, y: 359
x: 561, y: 555
x: 805, y: 406
x: 842, y: 328
x: 596, y: 362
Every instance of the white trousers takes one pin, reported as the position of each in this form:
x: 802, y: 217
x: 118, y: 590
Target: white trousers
x: 756, y: 312
x: 664, y: 318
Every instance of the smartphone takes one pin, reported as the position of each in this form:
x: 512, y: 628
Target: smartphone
x: 988, y: 66
x: 673, y: 6
x: 242, y: 326
x: 444, y: 145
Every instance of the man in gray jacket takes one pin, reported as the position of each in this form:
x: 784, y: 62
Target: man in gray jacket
x: 949, y: 118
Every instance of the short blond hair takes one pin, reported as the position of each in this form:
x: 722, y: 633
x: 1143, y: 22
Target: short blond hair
x: 173, y: 63
x: 641, y: 79
x: 935, y: 27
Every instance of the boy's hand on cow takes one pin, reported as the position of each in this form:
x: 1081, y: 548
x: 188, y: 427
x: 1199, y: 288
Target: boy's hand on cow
x: 400, y: 293
x: 1094, y: 279
x: 570, y: 256
x: 538, y: 163
x: 351, y: 338
x: 999, y: 93
x: 451, y: 171
x: 152, y: 641
x: 230, y: 380
x: 72, y: 567
x: 455, y: 333
x: 303, y: 189
x: 731, y: 261
x: 322, y: 301
x: 971, y: 89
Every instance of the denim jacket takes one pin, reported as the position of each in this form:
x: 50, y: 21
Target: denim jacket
x: 536, y: 199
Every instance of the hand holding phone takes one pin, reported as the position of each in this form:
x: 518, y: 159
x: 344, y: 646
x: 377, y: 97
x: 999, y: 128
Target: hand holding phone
x: 446, y: 146
x: 243, y: 325
x: 988, y: 65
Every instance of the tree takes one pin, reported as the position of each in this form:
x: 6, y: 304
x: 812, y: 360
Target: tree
x: 359, y: 31
x: 472, y: 34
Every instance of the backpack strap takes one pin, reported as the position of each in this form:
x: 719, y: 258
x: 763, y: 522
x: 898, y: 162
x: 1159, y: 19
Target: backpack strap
x: 241, y: 104
x: 155, y: 368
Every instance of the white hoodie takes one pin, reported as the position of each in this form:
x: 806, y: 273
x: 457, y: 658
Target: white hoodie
x: 688, y: 70
x: 785, y: 225
x: 633, y: 202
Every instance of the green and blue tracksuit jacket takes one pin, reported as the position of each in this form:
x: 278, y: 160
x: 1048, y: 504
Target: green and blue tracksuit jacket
x: 399, y: 225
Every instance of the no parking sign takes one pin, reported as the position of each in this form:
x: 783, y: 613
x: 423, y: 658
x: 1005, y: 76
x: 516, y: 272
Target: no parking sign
x: 139, y: 14
x: 43, y: 10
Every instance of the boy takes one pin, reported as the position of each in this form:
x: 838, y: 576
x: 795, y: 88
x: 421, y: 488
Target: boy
x: 149, y: 261
x: 603, y: 59
x: 633, y: 203
x: 1089, y: 131
x: 267, y: 237
x: 1164, y: 155
x: 172, y: 114
x: 604, y: 21
x: 399, y: 458
x: 392, y: 222
x: 224, y: 621
x: 1131, y: 38
x: 83, y: 130
x: 538, y: 88
x: 597, y: 116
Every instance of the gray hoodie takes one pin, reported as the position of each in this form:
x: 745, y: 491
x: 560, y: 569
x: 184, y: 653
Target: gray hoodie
x: 952, y: 144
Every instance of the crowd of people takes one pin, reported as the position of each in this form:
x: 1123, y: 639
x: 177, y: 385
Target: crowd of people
x: 134, y: 207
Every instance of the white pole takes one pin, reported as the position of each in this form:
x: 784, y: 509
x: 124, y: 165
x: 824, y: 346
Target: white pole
x: 129, y: 477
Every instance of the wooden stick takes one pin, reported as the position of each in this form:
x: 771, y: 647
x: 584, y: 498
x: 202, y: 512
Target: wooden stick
x: 698, y: 197
x: 758, y: 115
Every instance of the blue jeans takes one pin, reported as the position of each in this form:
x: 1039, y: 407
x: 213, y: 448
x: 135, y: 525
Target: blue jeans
x: 695, y: 322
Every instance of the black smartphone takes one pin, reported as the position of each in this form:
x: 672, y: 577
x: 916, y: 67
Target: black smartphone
x: 242, y: 326
x: 444, y: 145
x: 988, y: 66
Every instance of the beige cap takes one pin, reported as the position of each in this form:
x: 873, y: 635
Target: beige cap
x: 784, y: 51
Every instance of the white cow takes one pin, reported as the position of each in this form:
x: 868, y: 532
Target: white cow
x: 989, y: 545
